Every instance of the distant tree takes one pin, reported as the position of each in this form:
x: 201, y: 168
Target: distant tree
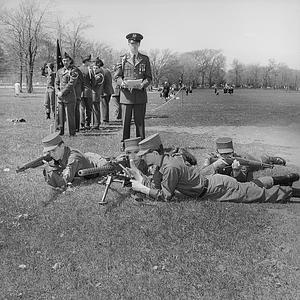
x: 71, y: 36
x: 163, y: 63
x: 23, y: 35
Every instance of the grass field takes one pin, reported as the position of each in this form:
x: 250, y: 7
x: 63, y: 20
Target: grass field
x: 75, y: 249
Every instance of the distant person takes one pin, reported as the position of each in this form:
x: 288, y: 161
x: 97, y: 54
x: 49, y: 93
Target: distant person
x: 166, y: 90
x: 65, y: 82
x: 17, y: 89
x: 133, y: 75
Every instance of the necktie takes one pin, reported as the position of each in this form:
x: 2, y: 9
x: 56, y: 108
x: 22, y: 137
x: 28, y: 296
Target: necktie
x: 133, y: 59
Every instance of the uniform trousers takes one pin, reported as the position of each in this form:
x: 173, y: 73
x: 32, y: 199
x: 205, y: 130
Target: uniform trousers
x: 86, y: 111
x: 138, y: 111
x: 116, y: 108
x: 104, y: 108
x: 66, y: 110
x: 227, y: 189
x: 50, y: 101
x: 77, y: 114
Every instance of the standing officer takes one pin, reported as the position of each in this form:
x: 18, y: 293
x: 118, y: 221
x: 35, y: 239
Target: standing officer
x: 86, y: 97
x: 133, y: 75
x: 49, y: 73
x: 65, y: 82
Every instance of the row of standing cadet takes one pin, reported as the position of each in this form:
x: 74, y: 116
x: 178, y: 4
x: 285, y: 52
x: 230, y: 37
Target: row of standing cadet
x: 83, y: 94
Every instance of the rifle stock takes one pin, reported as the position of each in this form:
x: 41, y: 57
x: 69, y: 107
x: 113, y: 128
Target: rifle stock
x: 34, y: 164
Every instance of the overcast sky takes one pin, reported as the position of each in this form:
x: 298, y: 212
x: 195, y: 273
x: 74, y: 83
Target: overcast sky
x: 251, y: 31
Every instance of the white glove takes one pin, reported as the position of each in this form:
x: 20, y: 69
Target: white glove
x: 236, y: 165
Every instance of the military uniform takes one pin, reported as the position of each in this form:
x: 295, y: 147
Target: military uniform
x: 50, y: 94
x: 175, y: 174
x: 107, y: 92
x: 78, y: 91
x: 60, y: 172
x: 86, y: 96
x: 97, y: 92
x: 243, y: 173
x: 133, y: 101
x: 65, y: 82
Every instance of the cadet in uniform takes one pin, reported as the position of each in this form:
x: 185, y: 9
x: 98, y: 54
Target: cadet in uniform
x: 65, y: 82
x: 97, y: 92
x: 50, y: 92
x: 176, y: 175
x: 107, y: 92
x: 66, y: 161
x: 86, y: 96
x: 224, y: 149
x: 133, y: 66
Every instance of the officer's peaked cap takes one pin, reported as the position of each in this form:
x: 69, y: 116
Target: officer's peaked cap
x: 66, y: 55
x: 134, y: 37
x: 151, y: 143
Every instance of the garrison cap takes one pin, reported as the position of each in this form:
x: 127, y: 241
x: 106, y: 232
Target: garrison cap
x: 151, y: 143
x: 98, y: 62
x: 86, y: 58
x: 224, y: 145
x: 132, y: 144
x: 51, y: 141
x: 134, y: 37
x: 66, y: 55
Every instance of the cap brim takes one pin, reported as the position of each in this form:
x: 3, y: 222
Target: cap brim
x: 132, y: 149
x: 142, y: 152
x: 49, y: 148
x: 225, y: 151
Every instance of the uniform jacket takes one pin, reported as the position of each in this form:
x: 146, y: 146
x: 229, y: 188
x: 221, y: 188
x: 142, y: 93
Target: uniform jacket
x: 175, y: 174
x: 65, y: 82
x: 97, y: 85
x: 127, y: 70
x: 107, y: 84
x: 79, y: 84
x: 87, y: 77
x: 51, y: 80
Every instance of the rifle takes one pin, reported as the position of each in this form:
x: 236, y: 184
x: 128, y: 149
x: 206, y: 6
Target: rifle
x: 243, y: 162
x: 35, y: 163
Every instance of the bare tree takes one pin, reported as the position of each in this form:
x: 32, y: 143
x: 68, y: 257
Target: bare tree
x: 23, y: 36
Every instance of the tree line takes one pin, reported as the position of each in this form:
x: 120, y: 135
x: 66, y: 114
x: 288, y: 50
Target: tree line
x: 29, y: 33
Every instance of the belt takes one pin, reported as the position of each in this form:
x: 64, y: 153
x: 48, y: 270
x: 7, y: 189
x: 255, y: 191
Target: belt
x: 205, y: 186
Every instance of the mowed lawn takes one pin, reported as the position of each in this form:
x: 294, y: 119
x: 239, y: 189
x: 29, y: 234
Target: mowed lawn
x: 187, y: 249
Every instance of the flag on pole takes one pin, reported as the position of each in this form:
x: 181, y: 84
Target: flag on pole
x: 59, y: 62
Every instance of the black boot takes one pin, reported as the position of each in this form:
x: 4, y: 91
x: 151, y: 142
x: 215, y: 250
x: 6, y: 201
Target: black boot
x: 296, y: 192
x: 286, y: 179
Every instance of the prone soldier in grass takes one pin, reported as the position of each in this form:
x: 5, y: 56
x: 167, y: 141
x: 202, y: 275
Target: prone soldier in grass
x: 176, y: 175
x: 239, y: 166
